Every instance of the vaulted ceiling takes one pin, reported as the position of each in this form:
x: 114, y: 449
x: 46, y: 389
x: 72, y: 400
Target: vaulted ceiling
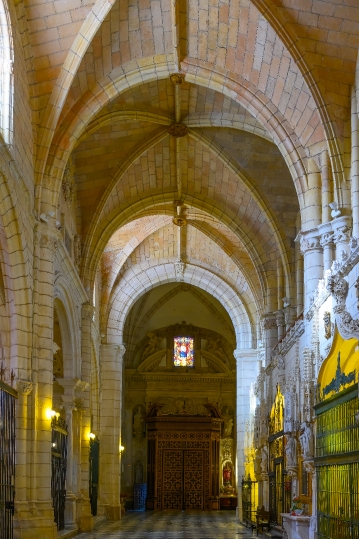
x: 264, y: 88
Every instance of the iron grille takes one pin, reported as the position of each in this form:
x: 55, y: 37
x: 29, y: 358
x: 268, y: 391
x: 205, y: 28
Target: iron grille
x: 7, y: 460
x: 249, y: 500
x: 94, y: 474
x: 338, y: 501
x: 337, y: 430
x: 58, y: 477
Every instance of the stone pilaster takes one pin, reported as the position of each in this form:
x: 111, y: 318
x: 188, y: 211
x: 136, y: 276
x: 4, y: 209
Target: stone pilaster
x: 313, y: 263
x: 111, y: 357
x: 35, y: 517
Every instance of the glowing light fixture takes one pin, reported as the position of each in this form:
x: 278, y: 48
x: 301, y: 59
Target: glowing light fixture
x: 50, y: 414
x: 92, y: 436
x: 121, y: 449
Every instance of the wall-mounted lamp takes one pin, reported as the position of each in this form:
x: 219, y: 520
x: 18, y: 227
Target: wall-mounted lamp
x: 121, y: 449
x: 51, y: 414
x: 92, y: 436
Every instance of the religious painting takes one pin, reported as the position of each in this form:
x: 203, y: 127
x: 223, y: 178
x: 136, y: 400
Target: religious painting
x: 183, y: 354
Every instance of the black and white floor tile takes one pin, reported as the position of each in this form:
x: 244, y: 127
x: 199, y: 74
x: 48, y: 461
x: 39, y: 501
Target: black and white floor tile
x: 172, y: 525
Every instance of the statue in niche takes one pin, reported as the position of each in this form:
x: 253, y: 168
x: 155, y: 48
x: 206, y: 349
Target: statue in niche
x: 138, y: 472
x: 327, y: 325
x: 227, y: 474
x: 291, y: 451
x: 264, y: 460
x: 227, y: 428
x: 306, y: 440
x: 153, y: 345
x: 138, y: 422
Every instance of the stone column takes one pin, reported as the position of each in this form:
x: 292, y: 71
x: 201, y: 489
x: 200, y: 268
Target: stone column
x: 342, y: 228
x: 313, y: 263
x: 280, y: 323
x: 84, y: 516
x: 271, y: 333
x: 111, y: 357
x: 68, y: 399
x: 247, y: 371
x: 37, y: 518
x: 326, y: 241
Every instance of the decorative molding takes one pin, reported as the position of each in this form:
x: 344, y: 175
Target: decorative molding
x: 290, y: 338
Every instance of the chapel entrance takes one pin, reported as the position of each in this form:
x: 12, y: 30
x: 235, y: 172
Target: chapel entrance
x: 183, y: 459
x: 7, y: 459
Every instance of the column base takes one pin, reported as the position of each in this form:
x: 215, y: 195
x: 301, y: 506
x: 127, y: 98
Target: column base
x: 112, y: 512
x: 84, y: 515
x: 70, y: 509
x: 33, y: 520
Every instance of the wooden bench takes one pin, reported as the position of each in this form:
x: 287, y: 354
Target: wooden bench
x: 262, y: 519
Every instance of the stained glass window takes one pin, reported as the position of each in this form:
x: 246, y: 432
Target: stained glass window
x: 183, y: 352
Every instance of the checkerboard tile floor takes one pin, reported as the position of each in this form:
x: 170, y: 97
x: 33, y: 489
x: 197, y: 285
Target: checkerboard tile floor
x: 172, y: 525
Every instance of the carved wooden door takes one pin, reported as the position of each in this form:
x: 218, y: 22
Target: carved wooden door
x: 193, y: 476
x: 172, y: 479
x: 183, y: 479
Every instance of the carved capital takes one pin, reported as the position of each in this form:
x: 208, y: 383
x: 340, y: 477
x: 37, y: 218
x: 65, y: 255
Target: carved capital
x: 308, y: 244
x: 24, y: 387
x: 270, y: 321
x: 342, y: 234
x: 87, y: 311
x: 327, y: 238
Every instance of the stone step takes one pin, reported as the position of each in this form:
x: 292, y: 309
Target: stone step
x: 68, y: 533
x: 98, y: 521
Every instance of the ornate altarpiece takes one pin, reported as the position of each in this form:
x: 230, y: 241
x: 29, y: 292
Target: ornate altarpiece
x: 183, y: 459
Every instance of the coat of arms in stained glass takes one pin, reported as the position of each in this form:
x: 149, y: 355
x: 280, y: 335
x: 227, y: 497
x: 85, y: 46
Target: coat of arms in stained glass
x: 183, y: 352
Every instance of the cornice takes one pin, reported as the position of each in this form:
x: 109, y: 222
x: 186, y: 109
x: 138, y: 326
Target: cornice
x: 173, y: 377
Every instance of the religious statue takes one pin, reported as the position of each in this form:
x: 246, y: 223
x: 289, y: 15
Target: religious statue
x: 306, y: 440
x: 264, y: 460
x: 291, y: 451
x: 138, y: 424
x: 227, y: 472
x: 153, y: 345
x: 228, y: 427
